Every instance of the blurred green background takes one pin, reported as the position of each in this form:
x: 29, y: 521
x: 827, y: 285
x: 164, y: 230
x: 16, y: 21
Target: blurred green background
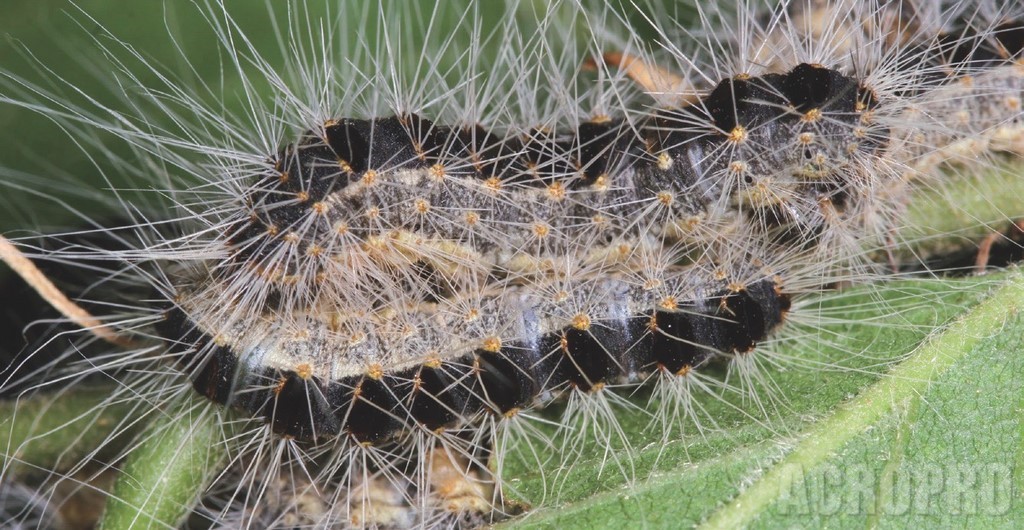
x: 55, y: 35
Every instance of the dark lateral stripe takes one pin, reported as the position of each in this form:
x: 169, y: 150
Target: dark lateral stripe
x: 441, y: 396
x: 444, y: 395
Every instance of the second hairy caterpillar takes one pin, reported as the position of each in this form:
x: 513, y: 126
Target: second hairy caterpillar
x: 771, y: 174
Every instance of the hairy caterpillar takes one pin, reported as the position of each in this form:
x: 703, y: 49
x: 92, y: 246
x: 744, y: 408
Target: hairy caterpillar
x: 606, y: 223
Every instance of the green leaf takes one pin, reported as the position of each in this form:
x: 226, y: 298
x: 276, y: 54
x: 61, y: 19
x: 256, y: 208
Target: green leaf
x: 55, y: 431
x: 936, y: 440
x: 175, y: 460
